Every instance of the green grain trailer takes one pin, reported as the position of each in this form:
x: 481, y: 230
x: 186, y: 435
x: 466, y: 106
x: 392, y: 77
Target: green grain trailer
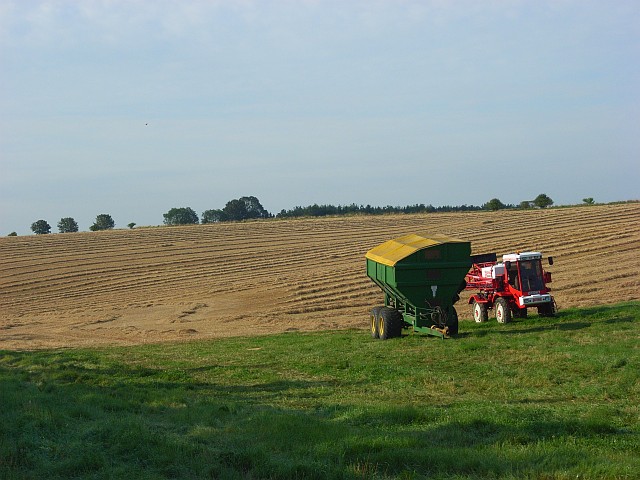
x: 421, y: 278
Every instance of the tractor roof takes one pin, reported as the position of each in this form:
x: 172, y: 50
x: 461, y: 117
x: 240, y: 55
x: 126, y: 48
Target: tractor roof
x: 514, y: 257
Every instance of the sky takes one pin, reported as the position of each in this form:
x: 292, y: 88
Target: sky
x: 131, y: 108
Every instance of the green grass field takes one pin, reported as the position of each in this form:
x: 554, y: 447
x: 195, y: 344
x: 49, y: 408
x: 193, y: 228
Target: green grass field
x: 538, y: 398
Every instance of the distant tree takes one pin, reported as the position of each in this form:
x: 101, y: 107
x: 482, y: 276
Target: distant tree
x: 245, y: 208
x: 236, y: 210
x: 131, y: 225
x: 180, y: 216
x: 525, y: 204
x: 214, y: 216
x: 103, y: 222
x: 12, y: 234
x: 542, y: 201
x: 254, y: 208
x: 67, y: 225
x: 494, y: 204
x: 40, y: 227
x: 589, y: 200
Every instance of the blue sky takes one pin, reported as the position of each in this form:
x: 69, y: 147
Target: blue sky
x: 134, y: 107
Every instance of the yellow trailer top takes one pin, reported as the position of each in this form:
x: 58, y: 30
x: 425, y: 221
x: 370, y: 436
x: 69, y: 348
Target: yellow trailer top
x: 391, y: 252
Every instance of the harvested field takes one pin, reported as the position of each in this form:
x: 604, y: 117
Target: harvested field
x: 204, y: 281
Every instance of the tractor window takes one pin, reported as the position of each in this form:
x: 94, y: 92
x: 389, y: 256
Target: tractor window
x: 531, y: 275
x: 513, y: 276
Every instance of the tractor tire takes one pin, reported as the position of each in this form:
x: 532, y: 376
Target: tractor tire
x: 390, y: 323
x: 480, y: 313
x: 519, y: 313
x: 452, y: 321
x: 503, y: 311
x: 547, y: 310
x: 373, y: 319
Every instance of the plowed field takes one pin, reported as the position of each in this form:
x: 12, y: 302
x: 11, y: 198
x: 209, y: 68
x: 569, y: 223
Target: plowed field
x: 203, y: 281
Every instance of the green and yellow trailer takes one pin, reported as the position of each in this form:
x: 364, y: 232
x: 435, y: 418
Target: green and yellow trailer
x: 421, y: 276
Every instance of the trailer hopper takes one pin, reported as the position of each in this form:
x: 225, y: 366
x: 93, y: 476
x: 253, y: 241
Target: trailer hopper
x: 421, y: 277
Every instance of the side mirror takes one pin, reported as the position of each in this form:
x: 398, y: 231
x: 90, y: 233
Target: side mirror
x: 550, y: 260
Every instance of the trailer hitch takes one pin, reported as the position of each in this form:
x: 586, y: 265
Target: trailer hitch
x: 444, y: 331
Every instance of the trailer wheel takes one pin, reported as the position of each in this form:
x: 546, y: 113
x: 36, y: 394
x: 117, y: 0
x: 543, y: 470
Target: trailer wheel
x: 452, y: 321
x: 373, y: 319
x: 503, y: 312
x: 389, y: 323
x: 480, y: 313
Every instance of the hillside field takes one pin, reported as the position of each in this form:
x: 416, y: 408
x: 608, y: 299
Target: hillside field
x: 149, y: 285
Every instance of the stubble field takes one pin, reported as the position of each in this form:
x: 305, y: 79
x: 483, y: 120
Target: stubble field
x: 125, y: 287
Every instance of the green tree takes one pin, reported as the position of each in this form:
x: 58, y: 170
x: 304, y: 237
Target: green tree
x: 254, y: 208
x: 40, y: 227
x: 236, y: 210
x: 180, y: 216
x: 589, y: 201
x: 67, y: 225
x: 245, y: 208
x: 131, y: 225
x: 103, y: 222
x: 542, y: 201
x: 214, y: 216
x: 525, y: 204
x: 13, y: 234
x: 494, y: 204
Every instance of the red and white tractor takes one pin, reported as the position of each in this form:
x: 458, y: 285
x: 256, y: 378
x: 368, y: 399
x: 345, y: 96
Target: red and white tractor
x: 509, y: 287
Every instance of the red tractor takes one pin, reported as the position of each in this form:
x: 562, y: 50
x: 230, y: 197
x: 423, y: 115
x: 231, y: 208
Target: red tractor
x: 510, y: 287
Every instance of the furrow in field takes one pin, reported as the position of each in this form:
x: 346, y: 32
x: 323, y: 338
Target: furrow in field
x: 294, y: 269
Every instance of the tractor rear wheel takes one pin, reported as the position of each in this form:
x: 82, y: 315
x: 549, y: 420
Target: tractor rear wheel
x: 452, y: 321
x: 389, y: 323
x: 503, y: 312
x: 480, y: 313
x: 373, y: 319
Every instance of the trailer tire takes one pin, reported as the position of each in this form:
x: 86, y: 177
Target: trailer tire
x: 373, y: 320
x: 503, y: 311
x: 452, y: 321
x: 480, y: 313
x: 390, y: 323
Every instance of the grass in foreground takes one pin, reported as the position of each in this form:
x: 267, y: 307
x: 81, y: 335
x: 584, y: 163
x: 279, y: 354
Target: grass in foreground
x: 539, y: 398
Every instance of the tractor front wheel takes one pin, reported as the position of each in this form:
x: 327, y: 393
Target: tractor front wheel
x: 480, y: 313
x: 503, y: 312
x: 519, y: 312
x: 547, y: 310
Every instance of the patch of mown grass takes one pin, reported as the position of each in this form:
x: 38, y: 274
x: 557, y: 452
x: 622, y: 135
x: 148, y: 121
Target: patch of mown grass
x: 539, y: 398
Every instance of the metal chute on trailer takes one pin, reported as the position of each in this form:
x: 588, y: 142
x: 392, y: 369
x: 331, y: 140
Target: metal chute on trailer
x: 421, y: 277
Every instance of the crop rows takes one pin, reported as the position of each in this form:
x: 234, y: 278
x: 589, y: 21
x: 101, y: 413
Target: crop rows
x: 155, y: 284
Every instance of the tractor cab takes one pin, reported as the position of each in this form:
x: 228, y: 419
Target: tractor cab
x: 526, y: 278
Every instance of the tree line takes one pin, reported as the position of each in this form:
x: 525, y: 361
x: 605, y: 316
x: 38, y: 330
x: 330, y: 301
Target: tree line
x: 104, y: 221
x: 316, y: 210
x: 249, y: 208
x: 541, y: 201
x: 243, y: 208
